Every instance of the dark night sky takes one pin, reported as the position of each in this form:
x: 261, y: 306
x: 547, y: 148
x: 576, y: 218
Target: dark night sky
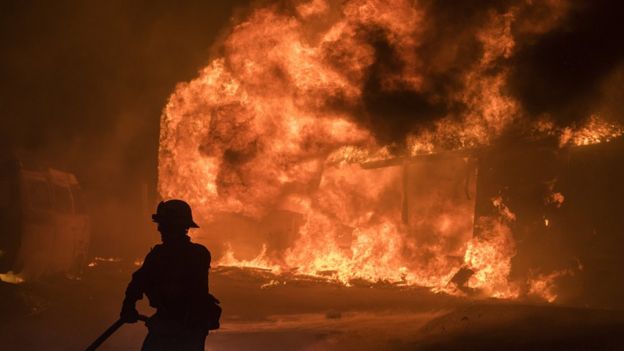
x: 75, y: 75
x: 82, y: 85
x: 566, y: 71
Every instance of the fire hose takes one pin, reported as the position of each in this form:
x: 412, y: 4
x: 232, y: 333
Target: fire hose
x: 108, y: 332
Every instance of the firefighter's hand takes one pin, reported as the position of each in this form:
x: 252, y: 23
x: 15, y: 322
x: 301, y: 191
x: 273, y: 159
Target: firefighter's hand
x: 129, y: 315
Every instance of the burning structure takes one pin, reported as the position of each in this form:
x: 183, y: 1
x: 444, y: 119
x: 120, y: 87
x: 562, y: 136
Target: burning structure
x: 359, y: 140
x: 368, y: 175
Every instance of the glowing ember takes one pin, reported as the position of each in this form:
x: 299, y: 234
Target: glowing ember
x: 98, y: 259
x: 544, y: 285
x: 556, y: 199
x: 503, y: 209
x: 261, y: 261
x: 11, y: 278
x: 594, y: 131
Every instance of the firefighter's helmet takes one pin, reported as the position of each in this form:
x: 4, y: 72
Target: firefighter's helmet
x: 174, y: 212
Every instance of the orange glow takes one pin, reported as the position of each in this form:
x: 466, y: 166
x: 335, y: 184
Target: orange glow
x: 489, y: 254
x: 556, y: 199
x: 254, y: 136
x: 11, y: 278
x: 544, y: 285
x: 595, y: 130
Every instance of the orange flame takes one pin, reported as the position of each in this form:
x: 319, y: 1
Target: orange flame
x: 544, y: 285
x: 595, y: 131
x: 256, y: 133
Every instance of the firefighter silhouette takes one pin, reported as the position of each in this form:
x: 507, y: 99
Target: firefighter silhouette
x: 174, y: 277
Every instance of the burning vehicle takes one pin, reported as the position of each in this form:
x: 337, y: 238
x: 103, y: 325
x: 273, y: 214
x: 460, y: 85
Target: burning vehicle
x: 45, y: 224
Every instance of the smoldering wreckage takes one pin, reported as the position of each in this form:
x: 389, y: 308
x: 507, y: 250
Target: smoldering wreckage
x: 482, y: 225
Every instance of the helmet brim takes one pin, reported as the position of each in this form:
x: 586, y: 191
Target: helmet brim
x: 156, y: 219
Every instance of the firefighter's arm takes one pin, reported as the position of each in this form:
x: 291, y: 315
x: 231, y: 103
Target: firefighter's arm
x: 205, y: 270
x: 135, y: 290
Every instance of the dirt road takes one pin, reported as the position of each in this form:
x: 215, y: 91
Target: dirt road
x: 262, y: 313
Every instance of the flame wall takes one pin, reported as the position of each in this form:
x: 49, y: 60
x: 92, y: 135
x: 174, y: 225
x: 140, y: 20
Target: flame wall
x: 266, y: 142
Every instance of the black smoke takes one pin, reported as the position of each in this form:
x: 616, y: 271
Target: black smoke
x: 561, y: 73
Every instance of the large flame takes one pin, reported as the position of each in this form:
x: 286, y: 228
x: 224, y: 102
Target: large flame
x: 273, y: 127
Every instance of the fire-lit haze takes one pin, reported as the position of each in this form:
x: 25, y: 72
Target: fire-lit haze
x: 366, y: 174
x: 282, y: 143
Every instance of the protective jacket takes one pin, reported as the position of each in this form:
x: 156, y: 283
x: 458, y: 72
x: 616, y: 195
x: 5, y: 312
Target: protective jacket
x: 174, y: 277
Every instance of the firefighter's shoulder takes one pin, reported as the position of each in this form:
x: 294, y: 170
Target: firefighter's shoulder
x: 201, y: 249
x: 156, y: 248
x: 154, y: 251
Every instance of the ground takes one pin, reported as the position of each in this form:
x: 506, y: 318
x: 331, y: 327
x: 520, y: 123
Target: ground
x: 261, y: 313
